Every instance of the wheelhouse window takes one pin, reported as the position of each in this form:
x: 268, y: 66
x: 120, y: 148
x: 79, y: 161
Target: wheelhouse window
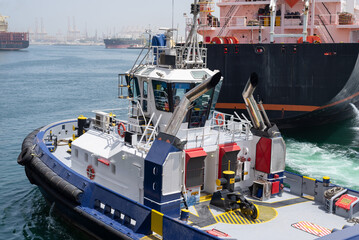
x: 134, y: 90
x: 178, y: 91
x: 144, y: 94
x: 160, y: 91
x: 200, y: 111
x: 145, y: 89
x: 166, y: 100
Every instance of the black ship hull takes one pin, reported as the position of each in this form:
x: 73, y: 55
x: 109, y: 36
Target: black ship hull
x: 13, y: 45
x: 300, y: 84
x: 121, y: 42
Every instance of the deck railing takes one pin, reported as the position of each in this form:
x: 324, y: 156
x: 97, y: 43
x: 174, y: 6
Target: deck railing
x: 232, y: 127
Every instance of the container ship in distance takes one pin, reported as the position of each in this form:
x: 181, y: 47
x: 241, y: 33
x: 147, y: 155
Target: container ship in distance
x: 12, y: 40
x: 121, y: 42
x: 303, y: 83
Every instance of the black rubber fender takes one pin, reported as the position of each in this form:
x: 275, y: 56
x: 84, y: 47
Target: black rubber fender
x: 39, y: 169
x: 61, y: 186
x: 29, y: 140
x: 25, y: 156
x: 29, y: 176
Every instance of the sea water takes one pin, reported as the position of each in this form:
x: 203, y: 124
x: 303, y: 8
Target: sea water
x: 44, y: 84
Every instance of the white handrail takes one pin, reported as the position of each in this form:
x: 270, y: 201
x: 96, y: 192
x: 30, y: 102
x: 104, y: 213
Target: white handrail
x: 235, y: 128
x: 154, y: 130
x: 147, y: 127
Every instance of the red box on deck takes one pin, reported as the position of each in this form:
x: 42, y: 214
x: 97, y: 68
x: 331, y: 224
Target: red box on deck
x: 345, y: 201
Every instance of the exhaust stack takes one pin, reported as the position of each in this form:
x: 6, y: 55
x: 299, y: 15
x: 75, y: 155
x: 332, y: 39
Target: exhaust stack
x: 182, y: 109
x: 251, y: 104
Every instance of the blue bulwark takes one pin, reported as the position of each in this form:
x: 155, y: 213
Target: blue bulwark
x: 153, y: 198
x: 347, y: 233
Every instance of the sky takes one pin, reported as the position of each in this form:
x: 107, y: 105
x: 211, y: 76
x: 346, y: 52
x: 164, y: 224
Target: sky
x: 105, y: 16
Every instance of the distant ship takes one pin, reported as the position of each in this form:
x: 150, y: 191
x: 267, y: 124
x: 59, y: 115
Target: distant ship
x: 121, y: 42
x: 302, y: 84
x: 12, y: 40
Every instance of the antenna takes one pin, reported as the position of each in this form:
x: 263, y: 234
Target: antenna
x: 173, y: 7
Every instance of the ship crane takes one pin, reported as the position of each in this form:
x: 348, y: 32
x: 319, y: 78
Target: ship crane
x: 272, y: 8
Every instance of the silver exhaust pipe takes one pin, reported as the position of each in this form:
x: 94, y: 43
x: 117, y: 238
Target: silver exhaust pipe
x: 251, y: 104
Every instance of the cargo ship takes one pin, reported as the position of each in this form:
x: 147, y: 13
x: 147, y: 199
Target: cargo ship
x: 121, y: 42
x: 12, y: 40
x: 303, y: 83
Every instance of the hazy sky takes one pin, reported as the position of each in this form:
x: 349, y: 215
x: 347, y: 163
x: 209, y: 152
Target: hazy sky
x: 103, y: 16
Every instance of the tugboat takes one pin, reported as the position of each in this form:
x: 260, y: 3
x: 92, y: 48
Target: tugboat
x: 175, y: 168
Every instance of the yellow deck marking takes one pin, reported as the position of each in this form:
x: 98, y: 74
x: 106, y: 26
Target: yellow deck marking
x: 226, y: 217
x: 152, y: 237
x: 196, y: 214
x: 309, y: 197
x: 234, y: 217
x: 230, y: 218
x: 309, y: 178
x: 312, y: 228
x: 205, y: 198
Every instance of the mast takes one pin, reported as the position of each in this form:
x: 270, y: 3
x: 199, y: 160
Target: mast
x: 192, y: 53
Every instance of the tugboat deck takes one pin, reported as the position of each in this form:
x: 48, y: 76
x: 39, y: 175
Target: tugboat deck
x: 275, y: 219
x: 276, y: 215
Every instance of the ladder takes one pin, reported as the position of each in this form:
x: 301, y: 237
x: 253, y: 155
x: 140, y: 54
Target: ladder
x: 123, y: 86
x: 228, y: 18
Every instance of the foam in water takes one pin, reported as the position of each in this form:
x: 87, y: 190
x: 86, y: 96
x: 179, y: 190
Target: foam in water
x: 356, y: 112
x: 338, y: 160
x: 333, y: 160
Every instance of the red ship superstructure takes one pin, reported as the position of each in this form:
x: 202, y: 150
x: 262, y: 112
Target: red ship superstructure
x: 12, y: 40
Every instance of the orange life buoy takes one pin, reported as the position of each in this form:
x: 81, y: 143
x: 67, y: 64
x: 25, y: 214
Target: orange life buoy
x: 121, y: 129
x: 90, y: 172
x: 219, y: 121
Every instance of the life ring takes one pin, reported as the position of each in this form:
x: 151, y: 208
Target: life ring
x: 90, y: 172
x: 121, y: 129
x: 219, y: 121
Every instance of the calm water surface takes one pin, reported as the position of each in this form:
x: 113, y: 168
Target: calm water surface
x: 44, y: 84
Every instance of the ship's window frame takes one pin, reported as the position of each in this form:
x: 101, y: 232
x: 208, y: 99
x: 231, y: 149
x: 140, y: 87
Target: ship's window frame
x: 199, y: 74
x: 163, y: 102
x: 203, y: 113
x: 134, y: 89
x: 145, y: 89
x: 86, y: 157
x: 145, y: 95
x: 178, y: 95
